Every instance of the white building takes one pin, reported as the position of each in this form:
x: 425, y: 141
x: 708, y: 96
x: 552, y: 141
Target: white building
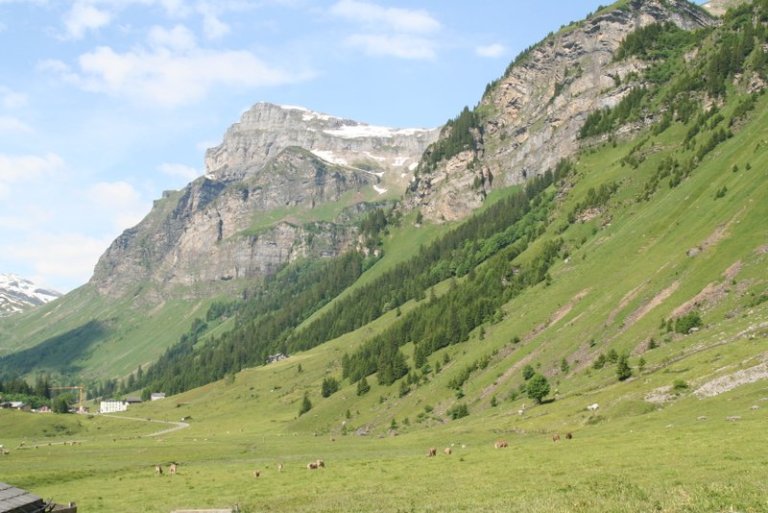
x: 157, y: 396
x: 112, y: 406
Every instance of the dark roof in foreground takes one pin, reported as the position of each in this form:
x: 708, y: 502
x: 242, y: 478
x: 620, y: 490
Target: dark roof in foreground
x: 16, y: 500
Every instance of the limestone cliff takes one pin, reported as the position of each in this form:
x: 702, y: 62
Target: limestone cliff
x: 530, y: 118
x: 284, y: 184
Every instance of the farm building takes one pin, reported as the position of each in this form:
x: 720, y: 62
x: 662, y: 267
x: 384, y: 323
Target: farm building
x: 156, y: 396
x: 112, y: 406
x: 16, y: 500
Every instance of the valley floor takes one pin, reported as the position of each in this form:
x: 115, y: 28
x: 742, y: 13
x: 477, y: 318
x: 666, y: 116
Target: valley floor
x: 686, y: 457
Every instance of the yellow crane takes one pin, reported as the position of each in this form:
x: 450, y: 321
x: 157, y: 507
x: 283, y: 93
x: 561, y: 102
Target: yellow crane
x: 81, y: 398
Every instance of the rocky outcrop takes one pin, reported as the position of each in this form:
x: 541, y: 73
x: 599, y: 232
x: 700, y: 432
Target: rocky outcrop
x: 259, y: 204
x: 531, y: 117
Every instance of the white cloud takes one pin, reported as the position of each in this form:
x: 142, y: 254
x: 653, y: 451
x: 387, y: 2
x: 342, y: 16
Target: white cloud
x: 393, y: 45
x: 389, y: 31
x: 84, y: 16
x: 119, y: 201
x: 10, y: 99
x: 12, y: 125
x: 178, y: 38
x: 170, y: 77
x: 58, y: 257
x: 213, y: 27
x: 25, y: 168
x: 416, y: 21
x: 492, y: 50
x: 179, y: 170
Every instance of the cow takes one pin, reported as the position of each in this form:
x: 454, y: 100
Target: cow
x: 447, y: 451
x: 279, y: 467
x: 172, y: 469
x: 256, y: 473
x: 556, y: 437
x: 593, y: 407
x: 159, y: 470
x: 312, y: 465
x: 320, y: 464
x: 569, y: 436
x: 501, y: 444
x: 432, y: 452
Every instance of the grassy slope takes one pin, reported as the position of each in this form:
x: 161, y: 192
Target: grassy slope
x: 627, y: 270
x: 130, y: 340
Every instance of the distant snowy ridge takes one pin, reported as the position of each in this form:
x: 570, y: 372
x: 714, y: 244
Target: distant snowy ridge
x: 18, y: 294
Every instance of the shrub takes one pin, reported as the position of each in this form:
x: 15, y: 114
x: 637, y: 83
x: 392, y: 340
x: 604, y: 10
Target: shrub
x: 687, y: 322
x: 528, y: 372
x: 679, y: 386
x: 458, y: 411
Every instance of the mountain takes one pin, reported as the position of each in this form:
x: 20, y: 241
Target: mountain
x: 18, y: 294
x: 529, y: 119
x: 285, y: 183
x: 619, y: 296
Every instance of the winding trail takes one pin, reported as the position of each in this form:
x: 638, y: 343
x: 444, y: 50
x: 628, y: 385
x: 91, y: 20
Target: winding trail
x: 177, y: 426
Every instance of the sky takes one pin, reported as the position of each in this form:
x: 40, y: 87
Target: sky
x: 104, y: 104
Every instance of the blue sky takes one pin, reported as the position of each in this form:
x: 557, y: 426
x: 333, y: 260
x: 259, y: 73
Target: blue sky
x: 106, y: 103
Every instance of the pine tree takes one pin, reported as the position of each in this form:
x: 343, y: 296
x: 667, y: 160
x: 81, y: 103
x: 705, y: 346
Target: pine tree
x: 306, y: 405
x: 623, y: 370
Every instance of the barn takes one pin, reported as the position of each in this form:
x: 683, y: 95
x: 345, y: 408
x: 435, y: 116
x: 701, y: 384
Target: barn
x: 16, y: 500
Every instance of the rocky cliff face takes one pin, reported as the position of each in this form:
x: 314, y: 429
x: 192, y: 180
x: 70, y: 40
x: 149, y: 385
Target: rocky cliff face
x: 531, y: 117
x: 284, y: 184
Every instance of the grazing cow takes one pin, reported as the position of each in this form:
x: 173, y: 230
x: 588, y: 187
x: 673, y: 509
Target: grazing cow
x: 593, y: 407
x: 279, y: 467
x: 159, y: 470
x: 556, y: 437
x: 172, y: 469
x: 447, y: 451
x: 501, y: 444
x: 432, y: 452
x: 569, y: 436
x: 256, y: 473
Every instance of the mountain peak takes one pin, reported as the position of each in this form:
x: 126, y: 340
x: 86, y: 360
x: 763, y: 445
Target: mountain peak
x: 18, y: 294
x: 266, y: 129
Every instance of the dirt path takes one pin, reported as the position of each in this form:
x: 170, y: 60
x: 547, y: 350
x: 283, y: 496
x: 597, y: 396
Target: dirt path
x: 176, y: 425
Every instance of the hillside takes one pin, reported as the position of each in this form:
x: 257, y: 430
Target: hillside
x: 285, y: 185
x: 629, y: 276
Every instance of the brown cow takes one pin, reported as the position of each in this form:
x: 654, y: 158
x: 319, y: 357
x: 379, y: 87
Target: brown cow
x: 501, y: 444
x: 569, y: 436
x: 556, y: 437
x: 172, y: 469
x: 256, y: 473
x: 447, y: 451
x: 432, y: 452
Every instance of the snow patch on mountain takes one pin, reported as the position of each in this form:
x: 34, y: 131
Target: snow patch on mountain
x: 18, y: 294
